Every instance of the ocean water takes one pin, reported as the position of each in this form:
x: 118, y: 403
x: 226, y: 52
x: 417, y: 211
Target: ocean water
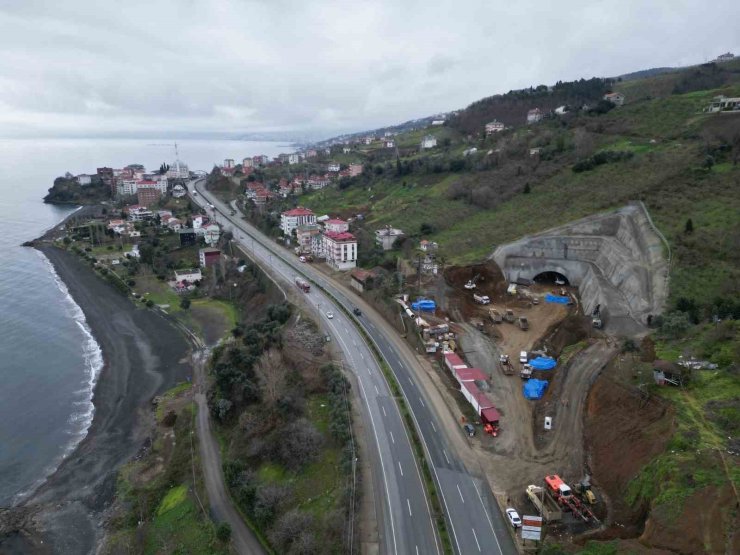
x: 49, y: 359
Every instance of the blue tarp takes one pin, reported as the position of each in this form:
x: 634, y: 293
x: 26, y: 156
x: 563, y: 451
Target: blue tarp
x: 424, y: 304
x: 534, y: 389
x: 542, y: 363
x: 549, y: 298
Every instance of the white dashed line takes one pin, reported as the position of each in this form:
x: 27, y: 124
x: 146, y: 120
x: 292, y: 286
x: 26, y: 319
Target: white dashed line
x: 476, y: 538
x: 446, y: 457
x: 384, y: 413
x: 377, y: 390
x: 411, y: 381
x: 399, y: 468
x: 361, y: 355
x: 460, y: 492
x: 393, y: 440
x: 408, y: 503
x: 433, y: 426
x: 422, y: 402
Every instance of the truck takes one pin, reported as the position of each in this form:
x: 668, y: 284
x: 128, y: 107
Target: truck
x: 302, y: 284
x: 481, y: 299
x: 523, y: 323
x: 509, y: 317
x: 495, y: 316
x: 545, y: 505
x: 563, y: 495
x: 596, y: 320
x: 505, y: 364
x: 526, y: 372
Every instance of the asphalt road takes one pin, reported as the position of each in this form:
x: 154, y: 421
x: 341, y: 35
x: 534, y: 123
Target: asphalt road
x: 406, y: 522
x: 474, y: 518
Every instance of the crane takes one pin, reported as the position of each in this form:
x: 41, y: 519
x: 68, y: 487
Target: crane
x: 177, y: 157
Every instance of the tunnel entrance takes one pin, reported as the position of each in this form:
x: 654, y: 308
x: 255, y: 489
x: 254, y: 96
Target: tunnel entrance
x: 551, y: 278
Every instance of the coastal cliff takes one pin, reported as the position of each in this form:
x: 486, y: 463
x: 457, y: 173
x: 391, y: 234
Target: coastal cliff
x: 68, y: 191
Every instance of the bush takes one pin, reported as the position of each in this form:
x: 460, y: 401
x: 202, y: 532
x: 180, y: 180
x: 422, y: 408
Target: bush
x: 674, y: 324
x: 223, y: 532
x: 184, y: 303
x: 149, y: 303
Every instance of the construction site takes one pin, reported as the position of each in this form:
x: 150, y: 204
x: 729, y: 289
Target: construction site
x: 520, y: 349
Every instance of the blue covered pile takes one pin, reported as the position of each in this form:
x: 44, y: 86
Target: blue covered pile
x: 534, y: 389
x: 550, y: 298
x: 542, y: 363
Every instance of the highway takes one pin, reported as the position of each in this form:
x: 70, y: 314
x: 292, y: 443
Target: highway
x: 405, y: 520
x: 474, y: 519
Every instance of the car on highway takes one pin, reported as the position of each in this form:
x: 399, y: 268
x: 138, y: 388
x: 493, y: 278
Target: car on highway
x: 356, y: 311
x: 330, y: 315
x: 523, y: 357
x: 513, y: 517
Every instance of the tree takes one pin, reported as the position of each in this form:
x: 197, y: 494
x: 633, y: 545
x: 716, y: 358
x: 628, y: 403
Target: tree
x: 223, y: 532
x: 527, y: 189
x: 708, y: 162
x: 689, y: 227
x: 184, y: 303
x: 270, y: 371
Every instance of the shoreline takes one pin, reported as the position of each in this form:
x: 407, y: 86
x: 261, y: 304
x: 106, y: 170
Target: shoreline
x: 143, y: 356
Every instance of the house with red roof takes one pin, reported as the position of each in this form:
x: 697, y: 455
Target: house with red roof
x: 291, y: 219
x: 340, y: 250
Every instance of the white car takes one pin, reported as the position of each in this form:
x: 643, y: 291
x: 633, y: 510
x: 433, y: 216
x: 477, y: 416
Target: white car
x: 330, y: 315
x: 523, y: 357
x: 513, y: 517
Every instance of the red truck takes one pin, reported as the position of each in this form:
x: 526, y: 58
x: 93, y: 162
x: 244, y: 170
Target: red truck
x: 303, y: 285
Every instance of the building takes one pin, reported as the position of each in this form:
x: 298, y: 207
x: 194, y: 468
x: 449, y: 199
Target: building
x: 229, y: 163
x: 560, y: 110
x: 125, y: 187
x: 615, y: 98
x: 178, y: 170
x: 387, y: 237
x: 147, y: 195
x: 208, y: 256
x: 390, y: 143
x: 188, y: 276
x: 362, y: 280
x: 533, y: 116
x: 355, y: 170
x: 178, y: 191
x: 335, y: 225
x: 346, y: 150
x: 429, y: 141
x: 291, y: 219
x: 494, y: 126
x: 340, y: 250
x: 174, y: 224
x: 138, y: 213
x: 247, y: 163
x: 187, y: 237
x: 83, y: 179
x: 293, y: 159
x: 311, y: 153
x: 309, y: 239
x: 723, y: 103
x: 726, y: 57
x: 428, y: 246
x: 160, y: 184
x: 438, y: 122
x: 211, y: 233
x: 332, y: 167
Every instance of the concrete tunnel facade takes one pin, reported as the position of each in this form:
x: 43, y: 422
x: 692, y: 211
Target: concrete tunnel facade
x: 615, y: 259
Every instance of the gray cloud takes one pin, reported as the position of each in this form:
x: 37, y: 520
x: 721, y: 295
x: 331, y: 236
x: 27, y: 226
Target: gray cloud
x: 237, y: 66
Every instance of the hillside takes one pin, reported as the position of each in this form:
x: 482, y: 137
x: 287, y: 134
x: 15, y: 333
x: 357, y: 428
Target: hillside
x: 471, y: 193
x: 66, y: 190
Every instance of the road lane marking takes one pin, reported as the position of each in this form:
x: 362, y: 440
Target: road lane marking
x: 377, y: 390
x: 408, y: 503
x: 422, y: 402
x: 417, y: 550
x: 476, y: 538
x: 400, y: 468
x: 446, y: 457
x: 361, y: 355
x: 433, y: 426
x: 384, y: 413
x: 487, y: 517
x: 393, y: 440
x: 411, y: 381
x: 460, y: 492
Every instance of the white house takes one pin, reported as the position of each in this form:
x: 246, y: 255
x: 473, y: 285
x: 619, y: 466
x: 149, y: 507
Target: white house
x: 340, y: 250
x: 247, y: 163
x: 126, y: 187
x: 387, y: 236
x: 190, y: 276
x: 335, y: 225
x: 333, y: 167
x: 438, y: 122
x: 560, y: 110
x: 211, y: 233
x: 178, y: 170
x: 178, y: 191
x: 615, y: 98
x: 83, y: 179
x: 293, y: 218
x: 430, y: 141
x: 533, y: 116
x: 346, y: 150
x: 494, y: 126
x: 293, y: 159
x: 199, y: 220
x: 229, y: 163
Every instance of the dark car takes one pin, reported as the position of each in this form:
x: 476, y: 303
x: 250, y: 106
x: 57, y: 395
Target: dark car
x: 357, y: 312
x: 469, y: 429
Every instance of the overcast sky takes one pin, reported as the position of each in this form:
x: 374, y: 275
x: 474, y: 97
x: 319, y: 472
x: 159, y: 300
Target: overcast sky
x: 91, y: 67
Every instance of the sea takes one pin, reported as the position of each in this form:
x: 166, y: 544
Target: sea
x: 49, y: 358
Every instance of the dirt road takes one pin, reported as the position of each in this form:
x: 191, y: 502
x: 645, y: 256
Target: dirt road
x: 222, y: 509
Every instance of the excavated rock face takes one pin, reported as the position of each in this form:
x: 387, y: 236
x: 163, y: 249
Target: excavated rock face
x: 616, y: 260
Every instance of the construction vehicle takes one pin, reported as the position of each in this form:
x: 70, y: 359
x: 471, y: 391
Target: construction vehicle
x: 523, y: 323
x: 470, y: 284
x: 505, y: 364
x: 303, y: 285
x: 563, y: 495
x: 526, y: 372
x: 596, y: 320
x: 583, y: 488
x: 481, y: 299
x: 509, y: 317
x: 545, y: 505
x: 478, y: 323
x: 495, y: 316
